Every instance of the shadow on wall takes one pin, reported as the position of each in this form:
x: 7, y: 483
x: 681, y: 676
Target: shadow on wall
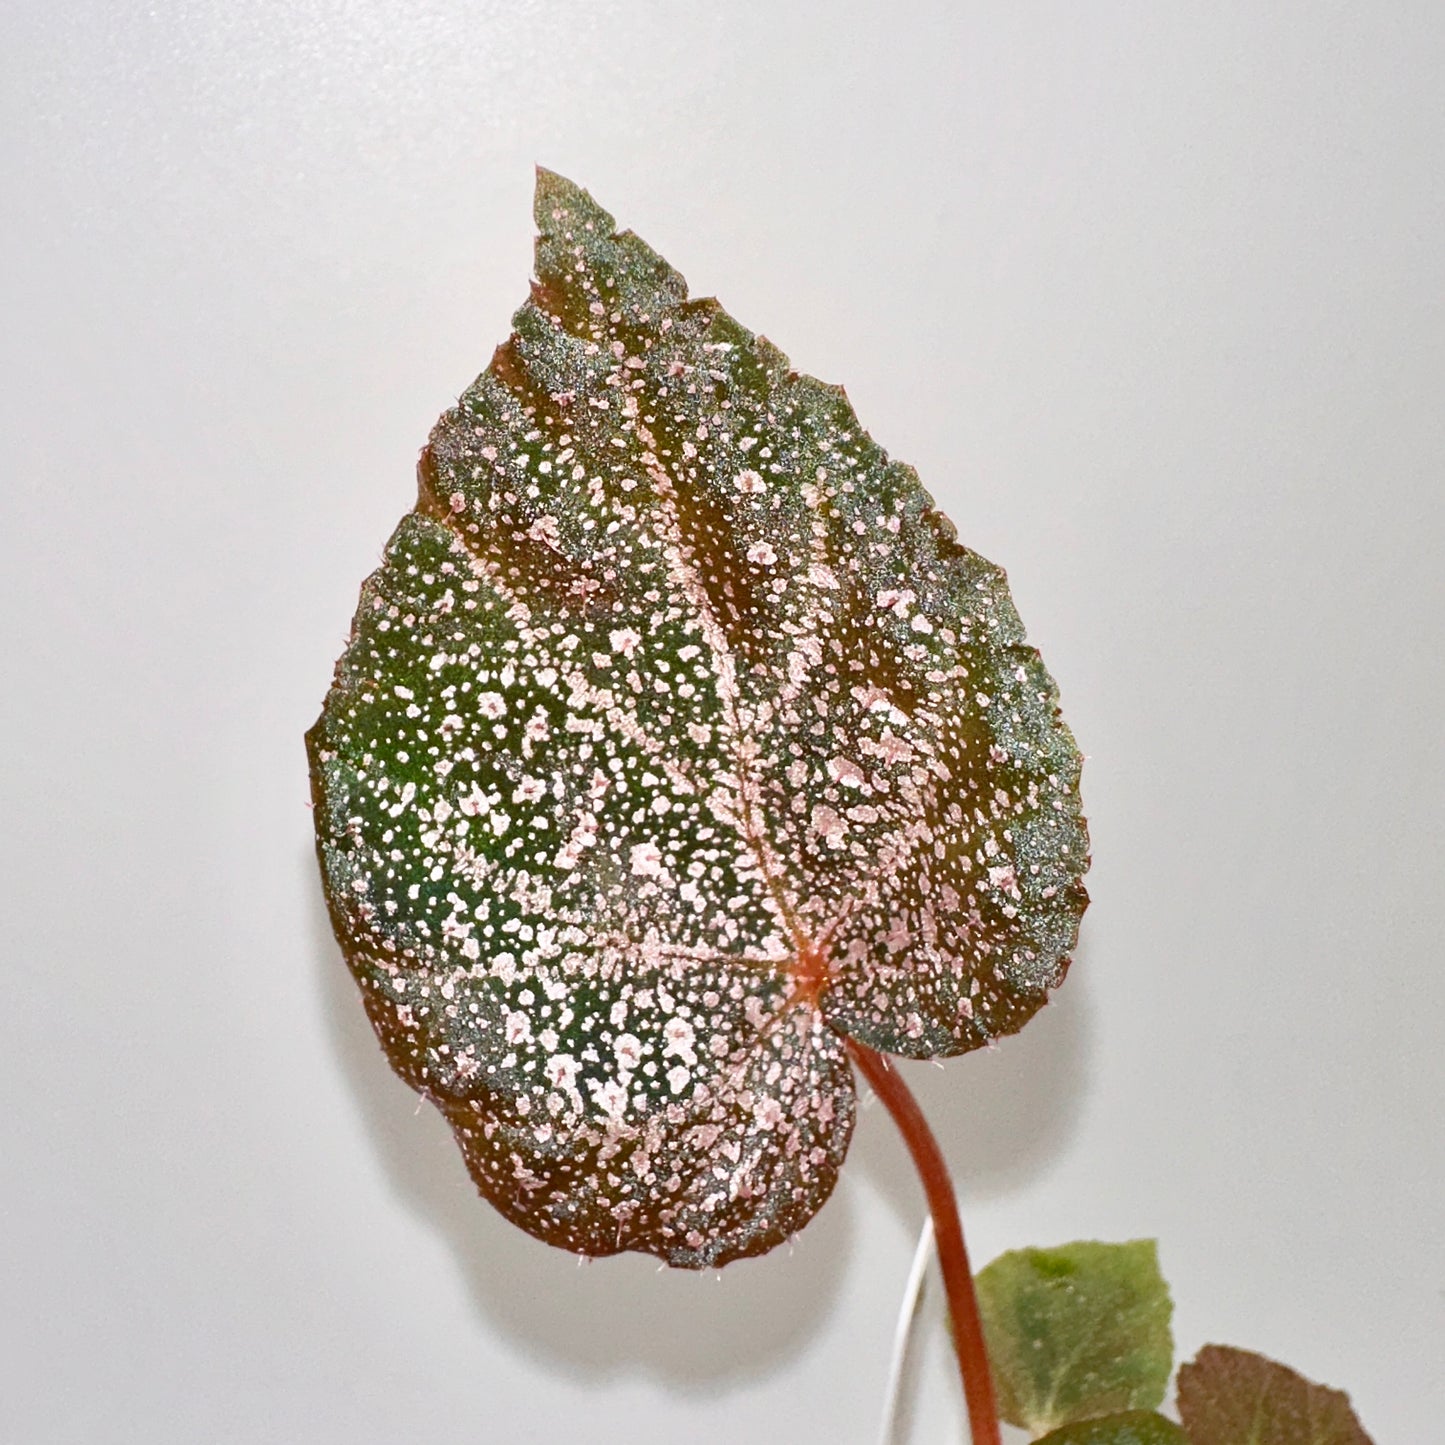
x: 1001, y: 1114
x: 998, y: 1123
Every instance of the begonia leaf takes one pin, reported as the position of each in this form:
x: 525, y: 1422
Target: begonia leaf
x: 1236, y: 1397
x: 676, y: 742
x: 1077, y: 1331
x: 1129, y: 1427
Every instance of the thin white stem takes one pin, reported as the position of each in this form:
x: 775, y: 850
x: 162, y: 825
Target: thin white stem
x: 905, y: 1331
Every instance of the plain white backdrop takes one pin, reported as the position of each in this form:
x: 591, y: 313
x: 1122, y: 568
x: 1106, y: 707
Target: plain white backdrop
x: 1153, y: 295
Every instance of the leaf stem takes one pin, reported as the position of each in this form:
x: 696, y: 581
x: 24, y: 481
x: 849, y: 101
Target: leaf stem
x: 948, y: 1227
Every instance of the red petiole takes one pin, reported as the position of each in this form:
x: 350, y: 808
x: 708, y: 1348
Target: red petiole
x: 948, y: 1230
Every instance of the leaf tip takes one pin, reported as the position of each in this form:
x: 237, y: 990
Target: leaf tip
x: 558, y: 204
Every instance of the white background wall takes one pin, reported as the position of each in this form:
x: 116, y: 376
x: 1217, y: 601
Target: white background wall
x: 1153, y: 295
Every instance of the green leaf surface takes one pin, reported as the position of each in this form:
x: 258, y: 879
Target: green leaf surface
x: 1129, y: 1427
x: 1235, y: 1397
x: 677, y: 740
x: 1077, y: 1331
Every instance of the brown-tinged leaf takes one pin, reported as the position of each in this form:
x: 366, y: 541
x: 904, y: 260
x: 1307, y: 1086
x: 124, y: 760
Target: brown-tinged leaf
x: 1235, y: 1397
x: 676, y: 741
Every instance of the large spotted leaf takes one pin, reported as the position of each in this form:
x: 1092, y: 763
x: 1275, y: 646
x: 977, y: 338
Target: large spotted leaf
x: 677, y: 741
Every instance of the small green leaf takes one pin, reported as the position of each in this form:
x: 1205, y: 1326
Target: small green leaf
x: 1131, y: 1427
x: 1076, y: 1332
x: 1235, y: 1397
